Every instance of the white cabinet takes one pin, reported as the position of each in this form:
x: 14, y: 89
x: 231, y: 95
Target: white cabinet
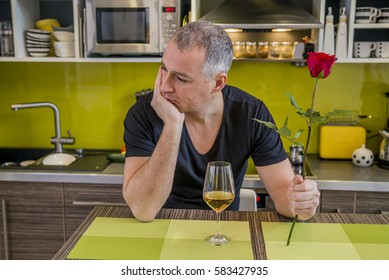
x: 24, y: 13
x: 361, y: 32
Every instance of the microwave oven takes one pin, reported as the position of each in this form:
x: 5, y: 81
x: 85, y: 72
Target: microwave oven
x: 129, y: 27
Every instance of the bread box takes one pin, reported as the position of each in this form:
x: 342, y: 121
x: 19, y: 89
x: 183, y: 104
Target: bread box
x: 339, y: 142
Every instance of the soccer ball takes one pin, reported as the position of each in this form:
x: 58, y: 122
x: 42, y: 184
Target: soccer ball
x: 363, y: 157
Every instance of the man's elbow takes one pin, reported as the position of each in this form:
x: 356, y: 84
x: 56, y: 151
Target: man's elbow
x: 143, y: 216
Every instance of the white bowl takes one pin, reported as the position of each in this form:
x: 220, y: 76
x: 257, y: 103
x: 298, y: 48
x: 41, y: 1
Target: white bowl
x: 62, y: 54
x: 36, y: 41
x: 59, y: 159
x: 69, y: 28
x: 41, y: 50
x: 64, y: 36
x: 64, y: 49
x: 38, y: 34
x: 63, y: 44
x: 38, y: 54
x: 38, y: 31
x: 35, y: 46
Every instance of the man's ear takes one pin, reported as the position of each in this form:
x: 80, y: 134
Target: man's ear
x: 220, y: 82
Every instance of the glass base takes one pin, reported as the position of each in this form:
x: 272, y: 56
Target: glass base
x: 217, y: 240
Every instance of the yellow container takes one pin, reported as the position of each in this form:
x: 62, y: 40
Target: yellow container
x: 339, y: 142
x: 46, y: 24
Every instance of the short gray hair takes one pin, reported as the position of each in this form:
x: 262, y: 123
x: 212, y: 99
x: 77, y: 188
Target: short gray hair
x: 213, y: 39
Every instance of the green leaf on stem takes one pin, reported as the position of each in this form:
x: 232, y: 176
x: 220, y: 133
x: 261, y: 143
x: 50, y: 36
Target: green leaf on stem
x: 284, y: 130
x: 294, y: 103
x: 298, y: 133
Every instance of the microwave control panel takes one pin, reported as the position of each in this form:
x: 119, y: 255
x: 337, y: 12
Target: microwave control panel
x: 169, y: 20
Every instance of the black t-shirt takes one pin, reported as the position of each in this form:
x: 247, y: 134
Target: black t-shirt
x: 239, y: 138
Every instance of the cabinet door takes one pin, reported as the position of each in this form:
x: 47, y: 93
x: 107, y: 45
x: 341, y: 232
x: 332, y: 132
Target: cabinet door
x: 338, y: 201
x: 372, y: 203
x: 80, y: 199
x: 33, y: 216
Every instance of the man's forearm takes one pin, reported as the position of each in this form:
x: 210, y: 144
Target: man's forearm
x: 149, y: 187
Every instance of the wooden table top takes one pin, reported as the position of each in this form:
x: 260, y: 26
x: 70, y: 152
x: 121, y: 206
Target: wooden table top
x: 254, y: 219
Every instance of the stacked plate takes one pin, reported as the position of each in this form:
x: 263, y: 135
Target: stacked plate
x: 64, y: 44
x: 38, y: 42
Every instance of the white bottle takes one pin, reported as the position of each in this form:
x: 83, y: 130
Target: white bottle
x: 341, y: 35
x: 329, y: 44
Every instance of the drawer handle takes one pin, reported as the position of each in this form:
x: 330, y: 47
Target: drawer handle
x: 98, y: 203
x: 5, y: 230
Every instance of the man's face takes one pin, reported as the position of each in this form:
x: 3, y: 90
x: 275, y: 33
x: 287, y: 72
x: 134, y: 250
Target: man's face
x: 183, y: 82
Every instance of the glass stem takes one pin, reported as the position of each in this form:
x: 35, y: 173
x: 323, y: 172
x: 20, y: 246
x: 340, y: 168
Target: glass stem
x: 218, y: 223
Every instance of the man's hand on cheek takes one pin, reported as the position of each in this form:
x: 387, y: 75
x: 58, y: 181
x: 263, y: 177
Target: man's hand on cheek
x: 166, y: 110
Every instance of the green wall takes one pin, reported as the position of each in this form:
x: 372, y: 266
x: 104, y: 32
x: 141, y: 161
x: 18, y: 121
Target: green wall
x: 93, y: 98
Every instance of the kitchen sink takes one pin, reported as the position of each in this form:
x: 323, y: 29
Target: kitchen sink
x: 86, y: 160
x: 309, y: 172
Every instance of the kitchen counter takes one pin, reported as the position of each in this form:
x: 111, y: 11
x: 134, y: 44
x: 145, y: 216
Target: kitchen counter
x: 112, y: 174
x: 339, y: 175
x: 330, y: 175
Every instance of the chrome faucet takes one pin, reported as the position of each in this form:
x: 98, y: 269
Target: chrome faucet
x: 58, y: 141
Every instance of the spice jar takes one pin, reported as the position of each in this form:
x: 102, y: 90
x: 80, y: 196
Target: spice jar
x: 275, y: 50
x: 239, y: 49
x: 263, y: 49
x: 286, y: 50
x: 251, y: 49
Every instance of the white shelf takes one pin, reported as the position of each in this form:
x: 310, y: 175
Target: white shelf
x: 81, y: 59
x: 370, y: 26
x: 363, y: 60
x: 353, y: 28
x: 26, y: 12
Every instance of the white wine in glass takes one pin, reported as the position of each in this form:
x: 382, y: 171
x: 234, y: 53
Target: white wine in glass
x: 218, y: 193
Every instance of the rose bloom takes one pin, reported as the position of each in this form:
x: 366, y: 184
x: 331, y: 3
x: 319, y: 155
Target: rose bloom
x: 320, y: 64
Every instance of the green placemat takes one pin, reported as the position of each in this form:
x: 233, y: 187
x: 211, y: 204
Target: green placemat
x: 129, y: 239
x: 311, y: 241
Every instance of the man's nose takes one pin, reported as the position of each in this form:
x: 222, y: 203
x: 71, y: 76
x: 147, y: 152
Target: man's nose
x: 166, y: 83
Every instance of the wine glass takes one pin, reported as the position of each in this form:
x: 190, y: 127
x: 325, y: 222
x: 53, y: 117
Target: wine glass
x: 218, y: 193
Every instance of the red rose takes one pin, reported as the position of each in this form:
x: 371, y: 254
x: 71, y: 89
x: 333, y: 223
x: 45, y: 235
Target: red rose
x: 320, y: 64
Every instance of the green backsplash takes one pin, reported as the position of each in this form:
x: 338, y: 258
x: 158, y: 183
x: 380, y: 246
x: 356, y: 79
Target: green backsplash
x: 93, y: 98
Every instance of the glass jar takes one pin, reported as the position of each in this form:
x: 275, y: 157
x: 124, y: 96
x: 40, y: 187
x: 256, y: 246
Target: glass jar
x: 239, y: 49
x: 275, y: 50
x: 286, y: 50
x: 263, y: 49
x: 6, y: 39
x: 251, y: 49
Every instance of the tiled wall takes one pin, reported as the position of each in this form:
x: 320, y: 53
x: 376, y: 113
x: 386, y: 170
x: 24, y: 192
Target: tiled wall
x: 94, y: 97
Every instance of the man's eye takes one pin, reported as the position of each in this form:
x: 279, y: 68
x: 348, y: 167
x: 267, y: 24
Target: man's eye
x: 182, y: 79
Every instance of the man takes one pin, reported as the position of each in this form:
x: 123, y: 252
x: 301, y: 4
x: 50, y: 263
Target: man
x: 192, y: 118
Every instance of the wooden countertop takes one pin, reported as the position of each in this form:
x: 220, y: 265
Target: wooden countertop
x: 254, y: 219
